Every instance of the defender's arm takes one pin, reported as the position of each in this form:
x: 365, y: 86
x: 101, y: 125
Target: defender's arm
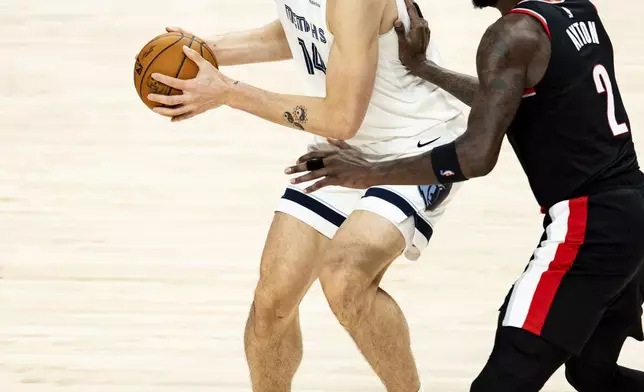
x: 413, y: 50
x: 504, y: 55
x: 461, y: 86
x: 503, y: 59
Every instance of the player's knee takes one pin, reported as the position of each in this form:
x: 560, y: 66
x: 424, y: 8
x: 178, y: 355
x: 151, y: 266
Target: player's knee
x: 271, y: 310
x: 345, y: 287
x: 344, y: 300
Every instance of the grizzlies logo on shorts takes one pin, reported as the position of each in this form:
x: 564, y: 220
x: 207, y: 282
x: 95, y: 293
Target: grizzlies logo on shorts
x: 434, y: 195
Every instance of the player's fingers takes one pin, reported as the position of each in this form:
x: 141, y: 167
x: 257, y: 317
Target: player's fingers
x: 170, y: 100
x: 174, y: 29
x: 195, y: 56
x: 172, y: 111
x: 314, y: 175
x: 299, y: 168
x: 400, y: 30
x: 184, y: 117
x: 319, y: 185
x: 418, y: 10
x: 302, y: 162
x: 412, y: 10
x: 340, y: 144
x: 315, y: 155
x: 169, y: 81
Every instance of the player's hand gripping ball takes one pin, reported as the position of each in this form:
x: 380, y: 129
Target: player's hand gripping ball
x: 165, y: 55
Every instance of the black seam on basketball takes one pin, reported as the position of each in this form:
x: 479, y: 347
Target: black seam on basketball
x: 182, y: 63
x: 184, y: 58
x: 211, y: 53
x: 152, y: 62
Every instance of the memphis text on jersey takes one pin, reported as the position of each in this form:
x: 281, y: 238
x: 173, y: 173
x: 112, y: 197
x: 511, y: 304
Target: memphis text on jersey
x: 312, y: 58
x: 303, y: 25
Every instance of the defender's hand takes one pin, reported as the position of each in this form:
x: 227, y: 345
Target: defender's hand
x: 344, y: 167
x: 208, y: 90
x: 413, y: 46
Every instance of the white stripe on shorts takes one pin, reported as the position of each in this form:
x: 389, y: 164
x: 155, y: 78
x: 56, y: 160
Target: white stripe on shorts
x: 526, y: 287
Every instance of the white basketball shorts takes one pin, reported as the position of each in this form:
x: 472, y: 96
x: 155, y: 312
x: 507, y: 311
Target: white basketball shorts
x: 414, y: 210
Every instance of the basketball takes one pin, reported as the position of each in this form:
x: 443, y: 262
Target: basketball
x: 164, y: 55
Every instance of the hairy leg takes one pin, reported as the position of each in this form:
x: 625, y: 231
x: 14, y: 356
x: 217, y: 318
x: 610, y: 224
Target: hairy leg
x: 273, y: 340
x: 351, y: 272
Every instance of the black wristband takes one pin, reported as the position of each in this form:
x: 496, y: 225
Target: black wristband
x: 445, y: 164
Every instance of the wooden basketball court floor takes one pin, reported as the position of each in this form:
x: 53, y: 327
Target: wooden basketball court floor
x: 129, y: 246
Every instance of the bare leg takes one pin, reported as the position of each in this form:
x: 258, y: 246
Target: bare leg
x: 361, y: 251
x: 273, y: 339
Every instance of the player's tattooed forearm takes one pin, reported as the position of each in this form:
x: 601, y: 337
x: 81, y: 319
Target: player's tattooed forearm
x: 297, y: 118
x: 463, y: 87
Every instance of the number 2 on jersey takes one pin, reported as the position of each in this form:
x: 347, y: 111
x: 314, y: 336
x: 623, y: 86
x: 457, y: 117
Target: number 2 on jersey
x: 603, y: 84
x: 312, y: 63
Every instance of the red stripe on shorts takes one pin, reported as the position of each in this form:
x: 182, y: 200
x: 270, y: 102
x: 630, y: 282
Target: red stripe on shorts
x: 564, y: 259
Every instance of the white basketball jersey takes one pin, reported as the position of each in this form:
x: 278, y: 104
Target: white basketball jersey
x: 402, y: 106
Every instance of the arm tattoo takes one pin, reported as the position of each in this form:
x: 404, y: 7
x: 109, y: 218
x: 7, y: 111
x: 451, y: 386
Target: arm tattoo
x: 297, y: 118
x: 499, y: 84
x: 461, y: 86
x: 502, y: 61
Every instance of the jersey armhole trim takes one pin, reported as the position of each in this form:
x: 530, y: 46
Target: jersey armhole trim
x: 535, y: 15
x: 529, y: 92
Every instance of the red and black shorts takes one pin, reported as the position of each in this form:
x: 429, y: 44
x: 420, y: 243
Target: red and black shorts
x: 587, y: 266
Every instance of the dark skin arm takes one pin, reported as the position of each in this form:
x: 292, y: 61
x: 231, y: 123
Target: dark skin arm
x: 413, y: 49
x: 509, y: 56
x: 462, y: 87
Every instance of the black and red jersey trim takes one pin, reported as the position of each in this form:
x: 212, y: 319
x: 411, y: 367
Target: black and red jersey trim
x: 529, y: 92
x: 535, y: 15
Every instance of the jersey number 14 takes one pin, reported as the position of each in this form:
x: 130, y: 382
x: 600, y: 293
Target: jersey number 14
x: 312, y: 62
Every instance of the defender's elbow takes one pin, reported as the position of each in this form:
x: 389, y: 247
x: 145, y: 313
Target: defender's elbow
x: 481, y: 166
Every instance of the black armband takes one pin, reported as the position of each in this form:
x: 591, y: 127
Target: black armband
x: 445, y: 164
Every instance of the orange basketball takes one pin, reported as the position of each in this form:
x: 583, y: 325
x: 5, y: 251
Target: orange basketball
x: 164, y: 54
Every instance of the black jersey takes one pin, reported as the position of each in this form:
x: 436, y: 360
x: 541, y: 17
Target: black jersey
x: 571, y: 132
